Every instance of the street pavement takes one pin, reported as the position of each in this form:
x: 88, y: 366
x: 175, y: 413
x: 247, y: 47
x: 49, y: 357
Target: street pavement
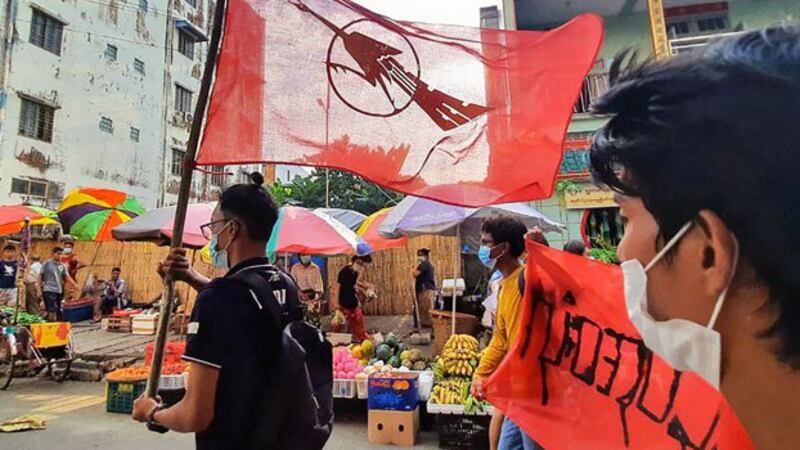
x: 77, y: 419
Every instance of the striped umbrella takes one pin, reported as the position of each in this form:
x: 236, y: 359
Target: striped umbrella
x: 12, y: 218
x: 369, y: 232
x: 90, y: 213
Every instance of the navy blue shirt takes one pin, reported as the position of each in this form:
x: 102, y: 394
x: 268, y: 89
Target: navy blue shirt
x: 228, y: 331
x: 8, y: 274
x: 425, y: 280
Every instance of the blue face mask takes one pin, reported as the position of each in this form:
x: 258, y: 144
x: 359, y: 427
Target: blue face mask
x: 484, y: 254
x: 219, y: 258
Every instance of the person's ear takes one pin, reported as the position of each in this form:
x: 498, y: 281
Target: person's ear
x: 718, y: 252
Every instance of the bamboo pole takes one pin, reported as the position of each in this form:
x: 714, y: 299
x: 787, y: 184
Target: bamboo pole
x: 168, y: 291
x: 455, y: 276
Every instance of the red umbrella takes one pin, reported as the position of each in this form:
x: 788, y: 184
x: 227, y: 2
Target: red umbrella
x: 12, y: 217
x: 369, y: 232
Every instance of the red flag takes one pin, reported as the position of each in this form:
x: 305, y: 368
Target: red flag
x: 579, y: 375
x: 460, y: 115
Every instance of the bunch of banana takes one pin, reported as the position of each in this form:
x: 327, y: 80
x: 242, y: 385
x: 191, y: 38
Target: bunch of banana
x: 452, y: 391
x: 439, y: 370
x: 460, y: 355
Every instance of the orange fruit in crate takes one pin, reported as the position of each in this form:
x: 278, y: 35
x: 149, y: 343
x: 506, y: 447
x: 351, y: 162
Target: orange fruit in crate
x: 401, y: 385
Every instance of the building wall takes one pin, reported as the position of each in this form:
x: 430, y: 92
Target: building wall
x: 86, y: 86
x: 631, y: 30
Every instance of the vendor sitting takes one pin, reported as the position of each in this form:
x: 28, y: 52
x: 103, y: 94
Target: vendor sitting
x: 114, y: 293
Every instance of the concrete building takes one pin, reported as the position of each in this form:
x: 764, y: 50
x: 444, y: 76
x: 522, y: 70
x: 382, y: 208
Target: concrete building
x: 101, y: 93
x: 588, y: 212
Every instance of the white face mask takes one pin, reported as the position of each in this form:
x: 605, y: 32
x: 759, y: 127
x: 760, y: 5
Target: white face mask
x: 684, y: 344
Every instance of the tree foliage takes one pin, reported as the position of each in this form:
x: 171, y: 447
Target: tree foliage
x: 347, y: 191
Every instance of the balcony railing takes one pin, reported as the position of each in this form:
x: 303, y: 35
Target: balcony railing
x: 688, y: 44
x: 594, y: 86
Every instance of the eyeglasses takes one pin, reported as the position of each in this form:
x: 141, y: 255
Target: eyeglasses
x: 208, y: 229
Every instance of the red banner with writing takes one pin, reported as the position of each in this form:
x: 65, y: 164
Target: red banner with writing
x: 579, y: 375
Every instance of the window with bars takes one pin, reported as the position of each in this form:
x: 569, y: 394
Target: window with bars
x: 192, y: 3
x: 712, y: 24
x: 183, y: 99
x: 46, y: 32
x: 177, y: 161
x: 138, y: 65
x: 36, y: 120
x: 111, y: 52
x: 134, y: 134
x: 186, y: 44
x: 28, y: 187
x: 217, y: 175
x: 143, y: 5
x: 106, y: 125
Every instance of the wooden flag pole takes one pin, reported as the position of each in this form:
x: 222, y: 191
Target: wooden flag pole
x: 168, y: 292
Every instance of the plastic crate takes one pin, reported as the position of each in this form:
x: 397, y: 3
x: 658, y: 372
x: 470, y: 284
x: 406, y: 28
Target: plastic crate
x: 344, y: 388
x: 120, y: 395
x: 463, y: 431
x: 362, y: 389
x: 78, y: 313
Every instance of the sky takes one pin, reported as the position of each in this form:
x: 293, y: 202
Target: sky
x: 452, y: 12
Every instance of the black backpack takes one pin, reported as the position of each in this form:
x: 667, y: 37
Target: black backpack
x: 298, y: 409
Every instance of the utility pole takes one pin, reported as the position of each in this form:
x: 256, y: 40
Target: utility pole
x: 658, y: 29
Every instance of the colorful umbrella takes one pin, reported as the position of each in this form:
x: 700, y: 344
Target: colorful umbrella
x: 369, y: 232
x: 309, y: 232
x: 12, y: 218
x: 352, y: 219
x: 91, y: 213
x: 156, y: 225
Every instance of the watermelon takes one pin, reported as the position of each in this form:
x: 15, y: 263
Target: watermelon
x: 394, y: 361
x: 391, y: 340
x: 384, y: 352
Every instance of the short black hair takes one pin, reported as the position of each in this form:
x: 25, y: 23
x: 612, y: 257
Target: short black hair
x: 9, y: 247
x: 366, y: 258
x: 575, y: 246
x: 716, y: 129
x: 252, y: 205
x: 116, y: 269
x: 57, y: 250
x: 424, y: 251
x: 506, y: 229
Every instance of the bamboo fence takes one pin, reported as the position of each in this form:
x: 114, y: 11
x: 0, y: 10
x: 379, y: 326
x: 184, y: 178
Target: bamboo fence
x: 390, y: 272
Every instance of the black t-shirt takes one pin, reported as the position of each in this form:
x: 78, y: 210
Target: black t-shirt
x: 8, y: 274
x: 425, y: 279
x: 229, y: 332
x: 347, y: 288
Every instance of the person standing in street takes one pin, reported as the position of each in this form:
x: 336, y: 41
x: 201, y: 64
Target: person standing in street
x: 8, y: 276
x: 33, y: 286
x: 73, y: 265
x: 424, y: 288
x: 308, y: 277
x: 502, y: 246
x: 53, y: 276
x: 576, y: 247
x: 350, y: 289
x: 234, y: 342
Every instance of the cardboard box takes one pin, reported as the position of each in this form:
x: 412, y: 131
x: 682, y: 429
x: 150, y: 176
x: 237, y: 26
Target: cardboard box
x: 397, y: 391
x: 393, y: 427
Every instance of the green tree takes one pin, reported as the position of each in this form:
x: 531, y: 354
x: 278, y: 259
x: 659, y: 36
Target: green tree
x: 347, y: 191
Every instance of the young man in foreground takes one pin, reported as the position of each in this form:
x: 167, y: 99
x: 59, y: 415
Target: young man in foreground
x: 703, y: 151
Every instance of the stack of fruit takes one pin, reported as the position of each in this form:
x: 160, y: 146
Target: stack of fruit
x: 451, y: 391
x: 413, y: 359
x: 363, y: 351
x: 389, y: 351
x: 460, y: 356
x: 345, y: 365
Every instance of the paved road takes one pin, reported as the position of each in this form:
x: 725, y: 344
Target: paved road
x: 76, y: 419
